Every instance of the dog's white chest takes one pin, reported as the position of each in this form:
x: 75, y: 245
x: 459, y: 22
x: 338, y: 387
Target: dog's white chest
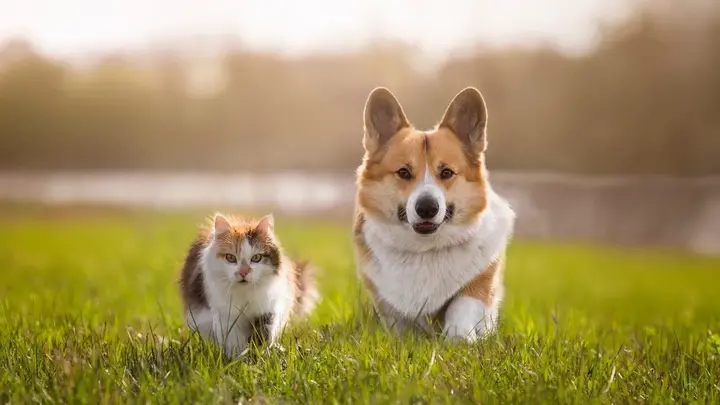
x: 417, y: 275
x: 420, y: 283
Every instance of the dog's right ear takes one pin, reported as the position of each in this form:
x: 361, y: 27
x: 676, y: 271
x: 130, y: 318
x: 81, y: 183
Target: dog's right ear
x: 384, y: 117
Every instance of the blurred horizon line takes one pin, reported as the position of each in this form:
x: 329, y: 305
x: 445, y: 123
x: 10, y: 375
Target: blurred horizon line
x: 683, y: 214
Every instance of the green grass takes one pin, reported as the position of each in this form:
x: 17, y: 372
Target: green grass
x: 81, y: 295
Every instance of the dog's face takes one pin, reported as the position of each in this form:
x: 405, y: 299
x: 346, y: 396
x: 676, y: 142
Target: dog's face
x: 423, y: 180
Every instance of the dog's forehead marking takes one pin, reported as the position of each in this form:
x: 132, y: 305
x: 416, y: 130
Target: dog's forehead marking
x: 429, y: 154
x: 411, y: 148
x: 421, y: 150
x: 445, y: 149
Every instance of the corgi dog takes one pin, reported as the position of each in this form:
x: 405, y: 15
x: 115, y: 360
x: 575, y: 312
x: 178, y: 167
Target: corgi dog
x: 430, y: 233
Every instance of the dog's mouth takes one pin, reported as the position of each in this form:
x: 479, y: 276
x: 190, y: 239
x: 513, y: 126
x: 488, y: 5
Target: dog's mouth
x: 427, y: 227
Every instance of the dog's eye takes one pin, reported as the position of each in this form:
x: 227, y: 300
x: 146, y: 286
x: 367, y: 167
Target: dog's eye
x: 230, y: 258
x: 404, y: 174
x: 446, y: 174
x: 256, y: 258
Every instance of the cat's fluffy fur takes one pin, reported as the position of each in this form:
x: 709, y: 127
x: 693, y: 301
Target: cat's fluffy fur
x: 238, y: 286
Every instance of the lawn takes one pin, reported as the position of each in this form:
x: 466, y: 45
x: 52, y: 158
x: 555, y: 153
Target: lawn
x: 89, y: 313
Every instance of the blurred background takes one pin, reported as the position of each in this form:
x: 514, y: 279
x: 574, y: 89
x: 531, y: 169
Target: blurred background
x: 604, y: 114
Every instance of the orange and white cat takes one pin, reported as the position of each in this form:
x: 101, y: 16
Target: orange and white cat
x: 430, y: 233
x: 238, y: 286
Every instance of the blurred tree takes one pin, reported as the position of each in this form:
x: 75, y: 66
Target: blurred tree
x: 645, y: 100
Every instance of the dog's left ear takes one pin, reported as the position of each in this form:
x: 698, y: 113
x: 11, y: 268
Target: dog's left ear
x: 466, y: 116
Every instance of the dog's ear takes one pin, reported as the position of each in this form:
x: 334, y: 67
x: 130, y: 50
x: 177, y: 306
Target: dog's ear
x: 384, y: 117
x: 466, y: 117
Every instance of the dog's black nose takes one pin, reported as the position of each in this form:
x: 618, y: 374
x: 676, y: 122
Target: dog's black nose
x: 427, y: 207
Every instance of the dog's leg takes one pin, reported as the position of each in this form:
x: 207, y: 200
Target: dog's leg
x: 469, y: 318
x: 473, y: 313
x: 390, y: 318
x: 400, y: 323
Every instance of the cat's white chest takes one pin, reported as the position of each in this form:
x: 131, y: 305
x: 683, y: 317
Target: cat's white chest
x: 250, y: 301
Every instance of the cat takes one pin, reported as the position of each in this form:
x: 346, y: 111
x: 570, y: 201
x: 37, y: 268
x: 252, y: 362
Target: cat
x: 238, y: 287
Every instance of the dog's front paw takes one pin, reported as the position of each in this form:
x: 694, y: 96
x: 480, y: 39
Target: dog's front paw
x: 468, y: 319
x: 460, y: 333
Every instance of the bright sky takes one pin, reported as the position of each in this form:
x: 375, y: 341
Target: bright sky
x: 72, y: 27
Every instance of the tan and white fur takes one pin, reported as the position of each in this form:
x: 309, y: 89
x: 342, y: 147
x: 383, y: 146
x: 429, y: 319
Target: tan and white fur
x: 239, y: 287
x: 430, y: 232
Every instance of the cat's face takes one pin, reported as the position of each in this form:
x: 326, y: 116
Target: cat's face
x: 243, y: 253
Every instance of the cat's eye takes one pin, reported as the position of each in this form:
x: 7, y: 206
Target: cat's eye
x: 256, y: 258
x: 230, y: 258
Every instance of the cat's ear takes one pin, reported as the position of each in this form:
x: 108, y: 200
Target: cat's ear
x: 220, y: 224
x: 266, y: 224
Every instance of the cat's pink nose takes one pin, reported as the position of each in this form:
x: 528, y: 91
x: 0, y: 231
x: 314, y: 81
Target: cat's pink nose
x: 243, y: 271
